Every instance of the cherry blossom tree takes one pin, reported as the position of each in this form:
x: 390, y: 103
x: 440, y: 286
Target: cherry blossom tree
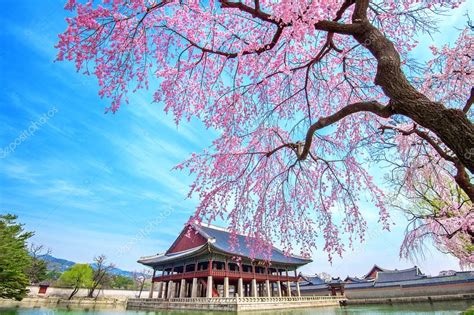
x: 438, y: 211
x: 302, y: 93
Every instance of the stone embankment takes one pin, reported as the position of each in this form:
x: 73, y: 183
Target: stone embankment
x: 234, y: 304
x: 58, y: 302
x: 413, y: 299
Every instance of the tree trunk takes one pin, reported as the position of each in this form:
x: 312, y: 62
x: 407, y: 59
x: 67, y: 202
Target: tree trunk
x: 76, y: 289
x: 451, y: 125
x: 141, y: 288
x: 92, y: 290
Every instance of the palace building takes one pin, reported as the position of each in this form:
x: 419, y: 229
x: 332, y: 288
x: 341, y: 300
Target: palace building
x: 382, y: 283
x: 210, y: 262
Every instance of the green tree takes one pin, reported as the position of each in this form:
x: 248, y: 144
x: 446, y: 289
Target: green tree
x: 78, y: 276
x: 53, y: 275
x: 14, y: 258
x: 122, y: 282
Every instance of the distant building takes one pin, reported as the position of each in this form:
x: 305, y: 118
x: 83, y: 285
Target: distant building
x: 447, y: 273
x: 413, y: 273
x: 385, y: 283
x: 204, y: 262
x: 373, y: 272
x: 43, y: 287
x: 353, y: 279
x: 314, y: 285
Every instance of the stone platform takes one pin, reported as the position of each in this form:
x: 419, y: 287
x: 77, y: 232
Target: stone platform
x: 411, y: 299
x: 234, y: 304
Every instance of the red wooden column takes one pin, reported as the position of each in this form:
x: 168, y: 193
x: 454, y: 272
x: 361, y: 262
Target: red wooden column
x: 150, y: 295
x: 209, y: 280
x: 194, y: 284
x: 226, y: 278
x: 267, y: 282
x: 240, y: 282
x: 288, y: 283
x: 253, y: 287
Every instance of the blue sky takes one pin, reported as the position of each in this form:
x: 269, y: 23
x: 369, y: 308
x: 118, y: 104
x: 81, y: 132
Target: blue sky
x: 91, y: 183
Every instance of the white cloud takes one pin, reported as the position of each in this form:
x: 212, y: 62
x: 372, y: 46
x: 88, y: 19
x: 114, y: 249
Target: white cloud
x: 63, y: 188
x: 19, y: 170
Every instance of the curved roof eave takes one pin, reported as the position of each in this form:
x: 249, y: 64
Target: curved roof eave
x: 164, y: 258
x: 302, y: 262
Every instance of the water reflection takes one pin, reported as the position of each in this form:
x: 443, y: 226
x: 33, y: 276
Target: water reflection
x: 444, y: 308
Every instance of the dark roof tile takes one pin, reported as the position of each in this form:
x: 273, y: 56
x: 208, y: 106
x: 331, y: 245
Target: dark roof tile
x: 399, y: 275
x: 221, y: 239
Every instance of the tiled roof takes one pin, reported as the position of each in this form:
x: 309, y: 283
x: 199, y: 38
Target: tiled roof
x: 458, y: 277
x: 220, y: 238
x: 421, y: 280
x: 355, y: 279
x: 371, y: 269
x: 399, y: 275
x: 335, y: 280
x: 316, y: 283
x: 160, y: 258
x: 323, y: 286
x: 359, y: 285
x: 311, y: 280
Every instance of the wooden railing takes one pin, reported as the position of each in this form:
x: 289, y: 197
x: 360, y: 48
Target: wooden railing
x: 224, y: 273
x: 236, y: 300
x: 248, y: 299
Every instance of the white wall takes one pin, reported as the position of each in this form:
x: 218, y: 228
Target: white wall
x: 392, y: 292
x: 65, y: 292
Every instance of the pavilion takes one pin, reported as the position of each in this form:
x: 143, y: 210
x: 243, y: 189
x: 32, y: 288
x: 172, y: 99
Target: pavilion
x: 210, y: 262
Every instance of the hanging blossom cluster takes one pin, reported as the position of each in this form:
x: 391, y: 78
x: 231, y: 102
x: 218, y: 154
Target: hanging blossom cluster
x: 275, y: 78
x: 449, y: 234
x: 451, y: 72
x: 439, y: 212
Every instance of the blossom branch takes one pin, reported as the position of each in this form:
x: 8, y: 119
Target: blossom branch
x: 469, y: 102
x: 373, y: 107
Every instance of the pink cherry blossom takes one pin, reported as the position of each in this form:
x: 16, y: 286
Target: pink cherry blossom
x: 305, y: 96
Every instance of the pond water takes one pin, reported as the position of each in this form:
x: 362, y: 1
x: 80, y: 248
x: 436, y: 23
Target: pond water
x: 415, y: 309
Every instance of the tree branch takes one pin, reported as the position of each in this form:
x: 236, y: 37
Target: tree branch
x: 360, y: 11
x: 373, y: 107
x: 469, y: 102
x: 255, y: 12
x: 231, y: 55
x: 425, y: 137
x: 461, y: 177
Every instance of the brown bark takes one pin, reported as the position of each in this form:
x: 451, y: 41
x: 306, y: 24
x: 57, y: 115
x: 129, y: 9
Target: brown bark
x: 372, y: 107
x: 451, y: 125
x: 74, y: 291
x: 469, y: 101
x: 462, y: 179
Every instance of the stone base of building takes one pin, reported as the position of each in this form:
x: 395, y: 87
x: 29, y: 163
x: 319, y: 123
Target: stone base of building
x: 234, y: 304
x: 411, y: 299
x: 56, y: 302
